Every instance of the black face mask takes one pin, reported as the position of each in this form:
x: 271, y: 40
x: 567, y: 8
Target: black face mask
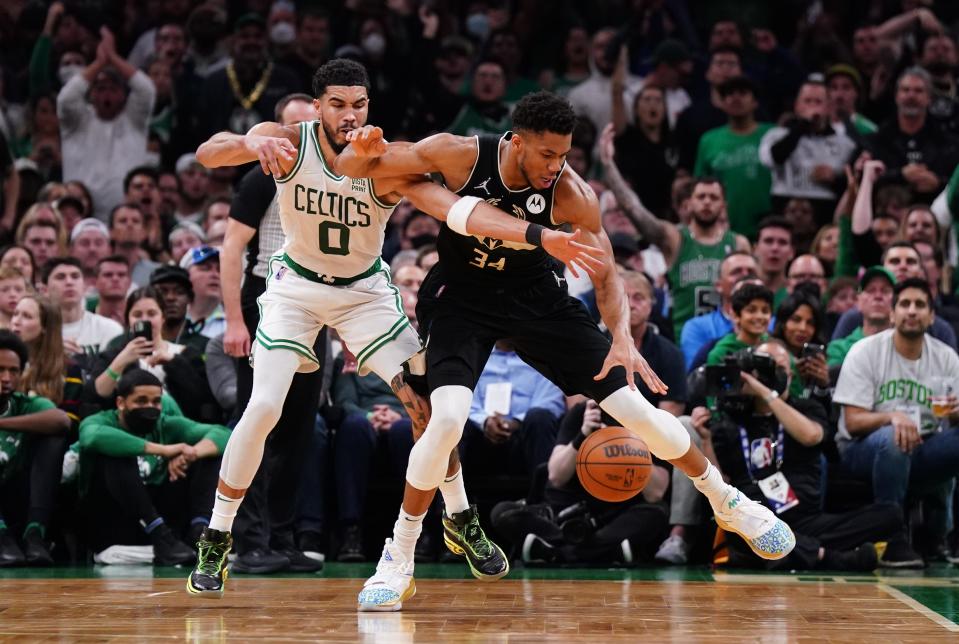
x: 142, y: 420
x: 422, y: 240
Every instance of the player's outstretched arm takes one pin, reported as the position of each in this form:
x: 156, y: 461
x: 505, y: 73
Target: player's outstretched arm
x: 272, y: 144
x: 577, y: 205
x: 369, y: 155
x: 487, y: 221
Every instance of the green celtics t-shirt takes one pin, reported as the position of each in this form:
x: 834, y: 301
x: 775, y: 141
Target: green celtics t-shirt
x: 19, y: 405
x: 878, y: 378
x: 692, y: 277
x: 734, y: 159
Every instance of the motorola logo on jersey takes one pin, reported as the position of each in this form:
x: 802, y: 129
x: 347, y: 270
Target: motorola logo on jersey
x: 536, y: 204
x: 348, y: 210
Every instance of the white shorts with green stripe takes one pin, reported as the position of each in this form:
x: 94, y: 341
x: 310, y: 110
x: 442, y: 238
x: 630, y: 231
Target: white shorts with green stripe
x: 367, y: 315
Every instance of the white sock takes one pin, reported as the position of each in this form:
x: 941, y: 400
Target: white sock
x: 406, y: 531
x: 224, y: 511
x: 454, y: 493
x: 711, y: 484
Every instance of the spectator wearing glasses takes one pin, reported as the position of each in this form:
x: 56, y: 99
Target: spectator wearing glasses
x: 806, y: 269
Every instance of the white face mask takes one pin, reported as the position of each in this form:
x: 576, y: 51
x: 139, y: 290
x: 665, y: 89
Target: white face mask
x: 66, y: 72
x: 374, y: 44
x: 282, y: 33
x: 478, y: 25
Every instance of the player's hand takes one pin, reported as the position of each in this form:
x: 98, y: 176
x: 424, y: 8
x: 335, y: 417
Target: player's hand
x: 623, y: 353
x: 905, y: 432
x: 270, y: 151
x: 567, y: 248
x: 367, y: 141
x: 236, y: 340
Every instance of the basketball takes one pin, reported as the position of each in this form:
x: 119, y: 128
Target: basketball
x: 613, y: 464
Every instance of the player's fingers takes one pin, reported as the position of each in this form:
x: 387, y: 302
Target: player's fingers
x: 592, y: 251
x: 586, y: 267
x: 607, y: 365
x: 264, y: 166
x: 571, y: 264
x: 631, y: 379
x: 587, y: 257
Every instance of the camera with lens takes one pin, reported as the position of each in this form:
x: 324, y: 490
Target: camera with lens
x: 725, y: 383
x: 577, y: 523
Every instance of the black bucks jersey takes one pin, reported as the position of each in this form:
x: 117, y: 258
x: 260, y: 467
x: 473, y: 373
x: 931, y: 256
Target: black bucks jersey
x: 492, y: 261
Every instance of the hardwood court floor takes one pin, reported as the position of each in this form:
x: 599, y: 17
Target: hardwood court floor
x: 691, y: 606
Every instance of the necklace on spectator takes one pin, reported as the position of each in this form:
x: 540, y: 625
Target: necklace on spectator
x: 250, y: 99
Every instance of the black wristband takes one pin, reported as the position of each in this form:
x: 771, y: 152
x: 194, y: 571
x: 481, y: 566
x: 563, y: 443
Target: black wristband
x: 576, y: 442
x: 534, y: 235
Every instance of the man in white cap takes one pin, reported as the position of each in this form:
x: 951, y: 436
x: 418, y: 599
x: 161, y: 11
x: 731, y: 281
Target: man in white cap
x: 194, y: 183
x: 184, y: 236
x: 89, y: 243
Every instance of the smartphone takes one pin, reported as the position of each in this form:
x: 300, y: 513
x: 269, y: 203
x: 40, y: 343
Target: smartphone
x: 143, y: 329
x: 811, y: 349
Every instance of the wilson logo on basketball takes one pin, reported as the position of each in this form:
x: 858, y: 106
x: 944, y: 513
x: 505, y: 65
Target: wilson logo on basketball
x: 614, y: 451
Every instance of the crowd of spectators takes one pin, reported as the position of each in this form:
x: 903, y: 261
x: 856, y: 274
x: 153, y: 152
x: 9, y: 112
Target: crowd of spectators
x: 779, y: 181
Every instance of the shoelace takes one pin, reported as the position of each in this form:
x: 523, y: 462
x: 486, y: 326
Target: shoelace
x: 211, y: 558
x: 477, y: 539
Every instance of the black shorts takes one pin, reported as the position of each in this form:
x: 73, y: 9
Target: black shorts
x: 550, y: 331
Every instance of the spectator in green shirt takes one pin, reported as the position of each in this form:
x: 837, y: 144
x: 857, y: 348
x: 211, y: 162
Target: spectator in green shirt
x: 731, y: 153
x: 32, y: 443
x: 752, y: 309
x: 140, y: 467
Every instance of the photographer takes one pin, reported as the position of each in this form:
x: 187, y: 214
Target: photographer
x: 769, y: 446
x: 571, y: 526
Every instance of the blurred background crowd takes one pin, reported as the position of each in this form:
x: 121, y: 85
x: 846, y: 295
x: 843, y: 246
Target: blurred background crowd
x: 778, y: 181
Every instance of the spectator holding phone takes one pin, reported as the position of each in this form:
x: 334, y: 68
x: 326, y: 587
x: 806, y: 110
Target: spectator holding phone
x: 799, y: 323
x: 179, y: 368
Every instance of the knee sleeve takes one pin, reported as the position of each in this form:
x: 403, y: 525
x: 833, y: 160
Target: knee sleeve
x: 430, y: 454
x: 661, y: 431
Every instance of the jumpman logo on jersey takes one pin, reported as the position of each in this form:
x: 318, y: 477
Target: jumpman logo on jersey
x: 559, y: 280
x: 483, y: 185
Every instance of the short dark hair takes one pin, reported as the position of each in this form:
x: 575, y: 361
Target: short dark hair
x: 286, y: 100
x: 55, y: 262
x: 726, y: 49
x: 748, y: 293
x: 317, y: 13
x: 144, y: 170
x: 11, y: 342
x: 902, y: 243
x: 134, y: 378
x: 131, y: 206
x: 707, y: 180
x: 912, y: 282
x: 544, y: 112
x: 339, y: 71
x: 112, y: 259
x: 775, y: 221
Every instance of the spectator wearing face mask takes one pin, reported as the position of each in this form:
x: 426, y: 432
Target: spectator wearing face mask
x: 148, y: 475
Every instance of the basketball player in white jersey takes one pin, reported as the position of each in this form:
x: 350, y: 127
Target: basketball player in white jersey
x: 329, y: 272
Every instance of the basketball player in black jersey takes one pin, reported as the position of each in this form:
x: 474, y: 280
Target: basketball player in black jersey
x: 483, y: 290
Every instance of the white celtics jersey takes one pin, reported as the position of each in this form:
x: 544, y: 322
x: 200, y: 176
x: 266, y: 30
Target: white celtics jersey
x: 333, y: 225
